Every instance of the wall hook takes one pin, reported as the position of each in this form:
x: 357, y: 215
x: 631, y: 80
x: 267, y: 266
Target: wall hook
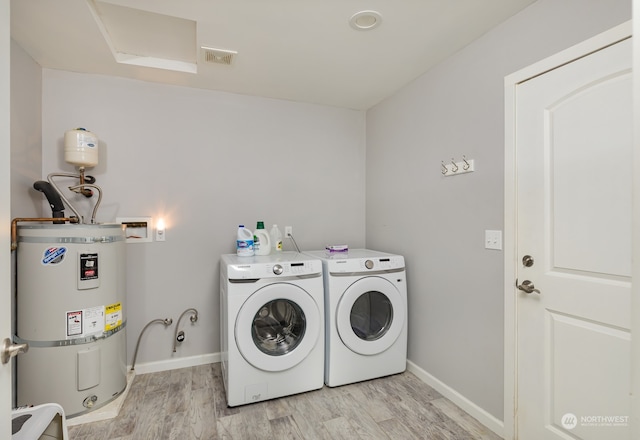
x: 454, y: 168
x: 466, y: 164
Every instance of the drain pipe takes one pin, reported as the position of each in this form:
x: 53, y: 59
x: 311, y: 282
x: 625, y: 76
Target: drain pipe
x: 167, y: 322
x: 180, y: 336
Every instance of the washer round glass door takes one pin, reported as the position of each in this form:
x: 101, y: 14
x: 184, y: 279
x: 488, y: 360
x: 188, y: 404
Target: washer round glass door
x: 277, y: 327
x: 370, y: 315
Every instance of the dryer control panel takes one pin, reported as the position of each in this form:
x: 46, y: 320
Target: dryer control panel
x: 356, y: 265
x: 357, y: 261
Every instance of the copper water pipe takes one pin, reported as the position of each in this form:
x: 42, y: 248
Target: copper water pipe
x: 15, y: 221
x: 84, y: 191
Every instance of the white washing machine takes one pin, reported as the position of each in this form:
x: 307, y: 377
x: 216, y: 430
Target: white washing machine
x: 272, y: 326
x: 366, y: 315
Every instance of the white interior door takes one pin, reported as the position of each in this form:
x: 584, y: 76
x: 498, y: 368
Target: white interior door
x: 5, y: 208
x: 574, y: 178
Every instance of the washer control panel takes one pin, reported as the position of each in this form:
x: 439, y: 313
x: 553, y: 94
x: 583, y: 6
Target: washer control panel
x: 252, y: 270
x: 285, y: 269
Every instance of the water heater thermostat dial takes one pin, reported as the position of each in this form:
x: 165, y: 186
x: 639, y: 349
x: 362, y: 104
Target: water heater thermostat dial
x: 277, y: 269
x: 368, y: 264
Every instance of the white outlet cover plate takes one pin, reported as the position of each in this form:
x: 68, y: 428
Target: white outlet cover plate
x: 493, y: 239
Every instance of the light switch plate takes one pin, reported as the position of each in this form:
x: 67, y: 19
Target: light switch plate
x: 493, y: 240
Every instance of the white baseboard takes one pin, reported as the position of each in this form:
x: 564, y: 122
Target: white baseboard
x: 174, y: 364
x: 465, y: 404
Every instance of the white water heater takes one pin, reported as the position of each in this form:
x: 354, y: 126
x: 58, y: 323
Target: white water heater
x: 71, y: 311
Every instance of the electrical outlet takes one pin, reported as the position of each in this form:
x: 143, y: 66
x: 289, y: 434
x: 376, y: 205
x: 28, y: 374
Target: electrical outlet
x: 493, y: 240
x: 160, y: 230
x: 160, y: 235
x: 288, y: 231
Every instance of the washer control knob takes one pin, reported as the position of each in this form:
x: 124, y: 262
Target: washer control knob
x: 368, y: 264
x: 278, y: 269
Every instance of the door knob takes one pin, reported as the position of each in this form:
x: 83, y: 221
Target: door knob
x: 527, y: 261
x: 9, y: 350
x: 527, y: 287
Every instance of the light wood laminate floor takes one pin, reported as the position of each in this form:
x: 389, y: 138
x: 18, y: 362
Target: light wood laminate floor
x: 189, y: 403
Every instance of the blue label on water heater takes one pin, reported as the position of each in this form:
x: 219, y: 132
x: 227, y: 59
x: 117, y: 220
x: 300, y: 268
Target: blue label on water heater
x: 54, y: 255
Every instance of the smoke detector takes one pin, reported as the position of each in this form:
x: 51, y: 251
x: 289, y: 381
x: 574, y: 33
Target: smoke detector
x: 365, y: 20
x: 218, y: 56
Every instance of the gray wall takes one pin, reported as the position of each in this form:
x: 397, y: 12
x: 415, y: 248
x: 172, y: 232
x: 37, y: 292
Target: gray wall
x: 25, y: 154
x: 438, y: 223
x: 26, y: 132
x: 205, y: 162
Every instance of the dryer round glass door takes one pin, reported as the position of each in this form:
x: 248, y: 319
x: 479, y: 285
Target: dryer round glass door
x: 370, y: 315
x: 277, y: 327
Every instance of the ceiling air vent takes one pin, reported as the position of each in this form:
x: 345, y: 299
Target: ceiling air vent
x: 218, y: 56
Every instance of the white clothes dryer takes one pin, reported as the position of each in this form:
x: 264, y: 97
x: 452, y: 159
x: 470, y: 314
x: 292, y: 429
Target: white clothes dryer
x: 271, y: 326
x: 365, y: 315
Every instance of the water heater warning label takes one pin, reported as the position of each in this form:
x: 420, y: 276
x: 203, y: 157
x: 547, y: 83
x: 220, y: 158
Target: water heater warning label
x: 81, y: 323
x: 113, y: 316
x: 74, y: 324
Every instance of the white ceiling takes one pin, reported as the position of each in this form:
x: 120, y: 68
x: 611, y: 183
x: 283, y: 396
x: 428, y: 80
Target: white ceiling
x: 299, y: 50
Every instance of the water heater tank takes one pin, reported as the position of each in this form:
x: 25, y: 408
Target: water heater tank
x: 81, y: 147
x: 71, y: 311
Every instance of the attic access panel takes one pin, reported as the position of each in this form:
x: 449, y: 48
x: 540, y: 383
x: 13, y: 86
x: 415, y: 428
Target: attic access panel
x: 144, y: 38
